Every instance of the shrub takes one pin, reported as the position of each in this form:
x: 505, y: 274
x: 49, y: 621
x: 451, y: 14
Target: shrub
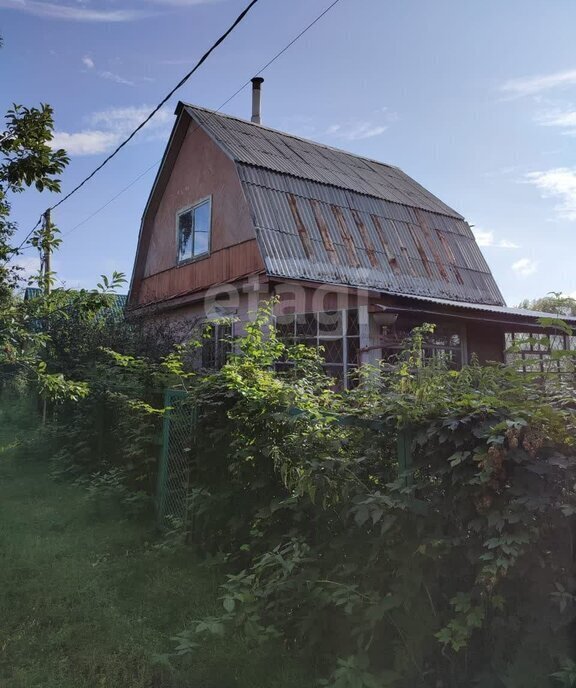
x: 454, y: 569
x: 456, y: 572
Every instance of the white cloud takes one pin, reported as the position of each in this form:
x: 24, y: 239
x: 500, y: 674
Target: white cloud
x: 562, y: 119
x: 560, y: 183
x: 356, y: 131
x: 116, y: 78
x: 125, y: 119
x: 353, y: 129
x: 50, y: 10
x: 533, y: 85
x: 106, y: 129
x: 524, y: 267
x: 85, y: 142
x: 90, y: 65
x: 486, y: 238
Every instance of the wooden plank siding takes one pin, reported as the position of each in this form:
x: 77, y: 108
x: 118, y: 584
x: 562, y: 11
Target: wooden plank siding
x: 226, y: 265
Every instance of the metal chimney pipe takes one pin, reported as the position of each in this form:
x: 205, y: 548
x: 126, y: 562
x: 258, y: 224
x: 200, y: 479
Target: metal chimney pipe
x: 257, y: 82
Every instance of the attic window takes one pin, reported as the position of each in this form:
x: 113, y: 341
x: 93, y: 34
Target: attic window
x: 193, y: 226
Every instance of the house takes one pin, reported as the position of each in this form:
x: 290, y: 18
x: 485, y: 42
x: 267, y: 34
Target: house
x: 357, y: 251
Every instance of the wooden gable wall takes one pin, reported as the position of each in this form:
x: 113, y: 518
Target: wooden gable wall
x: 194, y: 168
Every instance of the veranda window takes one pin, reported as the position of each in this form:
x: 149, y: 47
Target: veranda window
x: 216, y: 345
x: 445, y: 346
x: 337, y: 332
x: 194, y: 226
x: 540, y: 353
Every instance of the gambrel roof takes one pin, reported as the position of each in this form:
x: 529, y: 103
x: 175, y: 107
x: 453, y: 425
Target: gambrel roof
x: 325, y: 215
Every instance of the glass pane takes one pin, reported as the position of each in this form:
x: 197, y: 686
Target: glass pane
x: 209, y: 349
x: 337, y: 372
x: 202, y: 218
x: 353, y: 378
x: 330, y: 322
x: 353, y: 350
x: 312, y: 343
x: 202, y: 228
x: 185, y: 236
x: 285, y: 326
x: 201, y: 243
x: 223, y: 344
x: 333, y: 350
x: 306, y: 325
x: 353, y: 323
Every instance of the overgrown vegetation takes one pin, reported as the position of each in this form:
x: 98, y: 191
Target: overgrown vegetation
x: 458, y: 571
x: 89, y: 598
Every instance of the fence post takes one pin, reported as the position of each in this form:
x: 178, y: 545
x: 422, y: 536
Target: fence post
x: 404, y: 449
x: 163, y: 467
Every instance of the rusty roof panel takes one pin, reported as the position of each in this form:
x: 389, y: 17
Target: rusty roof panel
x: 319, y: 233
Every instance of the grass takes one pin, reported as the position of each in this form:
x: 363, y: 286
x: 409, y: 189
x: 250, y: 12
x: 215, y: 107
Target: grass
x: 87, y: 602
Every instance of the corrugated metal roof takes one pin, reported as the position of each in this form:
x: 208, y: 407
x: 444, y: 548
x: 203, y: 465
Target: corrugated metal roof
x: 500, y: 310
x: 328, y: 216
x: 320, y: 233
x: 32, y: 293
x: 254, y: 144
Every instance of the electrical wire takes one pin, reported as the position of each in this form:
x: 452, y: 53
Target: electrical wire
x: 182, y: 81
x: 86, y: 219
x: 237, y: 92
x: 30, y: 233
x: 281, y: 52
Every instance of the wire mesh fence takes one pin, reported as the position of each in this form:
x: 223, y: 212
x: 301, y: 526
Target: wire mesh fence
x: 178, y: 438
x: 178, y: 446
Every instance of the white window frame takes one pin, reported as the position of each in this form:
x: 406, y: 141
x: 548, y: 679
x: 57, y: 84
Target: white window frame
x: 183, y: 211
x: 217, y: 334
x: 456, y: 328
x: 345, y: 366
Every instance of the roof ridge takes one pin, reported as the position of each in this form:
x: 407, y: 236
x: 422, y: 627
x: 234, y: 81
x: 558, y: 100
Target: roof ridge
x: 255, y: 145
x: 292, y: 136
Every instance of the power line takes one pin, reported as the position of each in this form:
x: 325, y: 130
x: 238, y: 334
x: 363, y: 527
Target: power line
x: 281, y: 52
x: 260, y: 71
x: 86, y: 219
x: 182, y: 81
x: 30, y: 233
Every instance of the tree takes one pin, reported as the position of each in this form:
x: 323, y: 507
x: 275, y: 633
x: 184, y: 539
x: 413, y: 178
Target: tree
x: 553, y: 302
x: 27, y: 161
x: 26, y: 346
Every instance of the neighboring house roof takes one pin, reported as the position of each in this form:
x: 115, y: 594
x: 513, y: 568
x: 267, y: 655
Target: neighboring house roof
x: 329, y: 216
x: 31, y: 293
x: 118, y: 305
x: 115, y: 309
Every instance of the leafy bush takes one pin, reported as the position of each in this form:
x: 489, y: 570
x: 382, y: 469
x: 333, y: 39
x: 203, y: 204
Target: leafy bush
x: 456, y: 572
x: 454, y: 569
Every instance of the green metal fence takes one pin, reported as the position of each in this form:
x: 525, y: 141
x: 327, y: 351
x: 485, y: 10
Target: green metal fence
x: 178, y: 438
x: 178, y: 446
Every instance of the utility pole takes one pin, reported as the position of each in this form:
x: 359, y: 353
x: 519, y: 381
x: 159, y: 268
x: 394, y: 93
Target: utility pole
x: 46, y: 263
x: 46, y: 256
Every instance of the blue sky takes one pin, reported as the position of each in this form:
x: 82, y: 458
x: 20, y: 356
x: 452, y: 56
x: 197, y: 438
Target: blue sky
x: 476, y: 101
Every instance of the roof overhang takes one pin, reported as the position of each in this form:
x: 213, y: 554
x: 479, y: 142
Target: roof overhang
x: 516, y: 317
